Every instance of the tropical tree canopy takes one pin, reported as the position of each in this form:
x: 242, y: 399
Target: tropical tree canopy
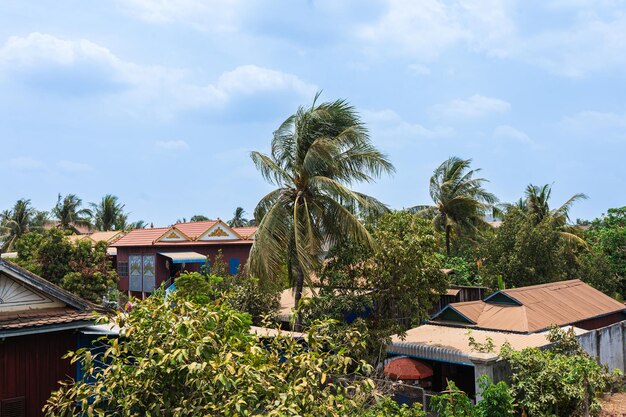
x: 239, y: 219
x: 461, y: 202
x: 106, y: 214
x: 70, y: 213
x: 316, y: 154
x: 16, y: 222
x: 198, y: 218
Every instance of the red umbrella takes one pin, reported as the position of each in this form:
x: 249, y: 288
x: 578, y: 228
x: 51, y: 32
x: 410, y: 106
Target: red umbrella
x: 407, y: 369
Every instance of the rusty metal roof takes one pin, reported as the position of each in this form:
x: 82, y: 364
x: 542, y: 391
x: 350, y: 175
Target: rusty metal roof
x: 535, y: 308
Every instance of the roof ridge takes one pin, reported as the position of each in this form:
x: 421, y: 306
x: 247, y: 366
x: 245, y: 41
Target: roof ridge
x: 544, y: 285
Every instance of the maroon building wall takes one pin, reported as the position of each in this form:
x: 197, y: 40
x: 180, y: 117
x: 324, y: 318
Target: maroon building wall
x: 239, y: 251
x: 31, y: 366
x: 600, y: 322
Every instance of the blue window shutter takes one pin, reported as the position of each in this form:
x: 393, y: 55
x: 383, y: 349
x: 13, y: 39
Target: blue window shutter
x: 233, y: 266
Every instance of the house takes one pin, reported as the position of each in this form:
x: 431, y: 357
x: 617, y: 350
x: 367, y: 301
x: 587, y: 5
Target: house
x: 147, y: 258
x: 521, y: 317
x: 39, y: 323
x: 535, y: 308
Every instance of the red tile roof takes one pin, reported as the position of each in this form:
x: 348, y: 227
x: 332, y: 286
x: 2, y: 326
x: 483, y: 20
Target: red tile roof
x: 193, y: 230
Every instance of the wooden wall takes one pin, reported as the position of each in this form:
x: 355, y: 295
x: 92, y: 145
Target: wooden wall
x: 30, y: 367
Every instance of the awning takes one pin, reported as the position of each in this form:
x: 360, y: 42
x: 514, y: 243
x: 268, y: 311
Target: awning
x: 185, y: 257
x: 408, y: 369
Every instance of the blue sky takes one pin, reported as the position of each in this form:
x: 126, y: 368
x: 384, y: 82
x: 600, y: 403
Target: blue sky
x: 160, y: 102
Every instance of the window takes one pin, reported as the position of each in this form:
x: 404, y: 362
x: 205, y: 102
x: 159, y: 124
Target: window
x: 122, y: 269
x: 13, y: 407
x: 233, y: 265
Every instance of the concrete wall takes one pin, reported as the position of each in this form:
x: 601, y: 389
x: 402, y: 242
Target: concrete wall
x: 608, y: 344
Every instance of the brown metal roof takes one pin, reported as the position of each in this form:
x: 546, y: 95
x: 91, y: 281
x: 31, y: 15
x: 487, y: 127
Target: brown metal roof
x: 539, y: 306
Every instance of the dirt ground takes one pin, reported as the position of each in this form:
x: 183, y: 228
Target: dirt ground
x: 614, y: 405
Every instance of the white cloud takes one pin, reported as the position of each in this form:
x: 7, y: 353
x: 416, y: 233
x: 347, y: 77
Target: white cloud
x: 589, y: 37
x: 509, y: 132
x: 392, y: 127
x: 210, y: 15
x: 473, y: 107
x: 172, y: 145
x: 426, y: 28
x: 72, y: 167
x: 166, y: 89
x: 248, y: 79
x: 25, y: 164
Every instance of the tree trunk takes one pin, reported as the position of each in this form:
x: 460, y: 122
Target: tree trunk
x: 448, y: 240
x: 297, y: 326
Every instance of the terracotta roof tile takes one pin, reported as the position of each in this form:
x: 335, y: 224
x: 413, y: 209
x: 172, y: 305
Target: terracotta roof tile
x: 43, y: 317
x: 193, y: 230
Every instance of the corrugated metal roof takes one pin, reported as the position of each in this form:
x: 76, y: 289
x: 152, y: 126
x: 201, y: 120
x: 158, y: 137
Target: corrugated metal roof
x: 559, y: 303
x: 451, y: 344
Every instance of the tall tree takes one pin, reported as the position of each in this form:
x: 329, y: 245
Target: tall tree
x: 239, y: 219
x: 316, y: 154
x: 106, y: 213
x: 461, y: 202
x: 70, y: 214
x: 16, y: 222
x: 536, y: 204
x: 198, y: 218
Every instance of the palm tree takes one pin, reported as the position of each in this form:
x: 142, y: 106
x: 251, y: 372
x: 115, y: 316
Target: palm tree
x: 238, y: 219
x: 316, y: 155
x: 122, y: 223
x: 461, y: 202
x: 16, y: 222
x: 536, y: 204
x: 107, y: 212
x: 69, y: 213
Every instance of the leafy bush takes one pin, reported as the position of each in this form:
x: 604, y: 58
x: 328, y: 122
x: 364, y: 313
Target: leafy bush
x: 176, y: 358
x: 563, y: 381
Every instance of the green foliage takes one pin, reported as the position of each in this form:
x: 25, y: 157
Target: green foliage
x: 607, y: 236
x: 387, y: 407
x: 525, y: 252
x: 461, y: 202
x: 108, y: 214
x: 241, y: 292
x: 78, y: 268
x: 176, y: 358
x: 452, y: 403
x: 14, y: 223
x: 465, y: 272
x: 92, y: 277
x: 497, y: 399
x: 394, y: 284
x: 560, y: 382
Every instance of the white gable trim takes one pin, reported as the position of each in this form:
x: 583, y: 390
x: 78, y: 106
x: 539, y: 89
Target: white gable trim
x: 219, y: 231
x: 173, y: 235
